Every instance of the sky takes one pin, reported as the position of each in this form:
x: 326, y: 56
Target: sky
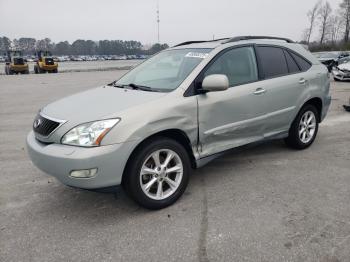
x: 180, y: 20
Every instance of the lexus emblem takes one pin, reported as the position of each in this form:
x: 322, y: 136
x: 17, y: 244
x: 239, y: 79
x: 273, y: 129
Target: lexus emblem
x: 37, y: 123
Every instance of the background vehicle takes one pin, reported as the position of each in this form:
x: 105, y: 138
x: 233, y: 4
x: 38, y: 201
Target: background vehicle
x: 341, y: 71
x: 15, y: 63
x: 330, y: 59
x: 179, y: 110
x: 45, y: 63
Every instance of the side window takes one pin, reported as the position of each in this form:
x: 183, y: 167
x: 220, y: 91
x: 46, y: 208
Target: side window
x: 272, y: 60
x: 303, y: 64
x: 238, y: 64
x: 292, y: 65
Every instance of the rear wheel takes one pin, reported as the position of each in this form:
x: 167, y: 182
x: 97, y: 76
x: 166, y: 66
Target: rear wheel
x: 158, y: 173
x: 336, y: 79
x: 304, y: 128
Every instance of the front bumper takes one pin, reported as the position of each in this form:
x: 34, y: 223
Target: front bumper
x: 59, y: 160
x: 340, y: 75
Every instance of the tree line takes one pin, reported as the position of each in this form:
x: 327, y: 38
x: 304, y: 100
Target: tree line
x: 79, y: 47
x: 328, y: 26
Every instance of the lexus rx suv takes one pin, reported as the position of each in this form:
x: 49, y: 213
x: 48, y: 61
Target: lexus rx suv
x: 177, y: 111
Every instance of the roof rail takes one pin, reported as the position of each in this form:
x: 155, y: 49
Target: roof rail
x: 197, y: 42
x: 189, y: 42
x: 241, y: 38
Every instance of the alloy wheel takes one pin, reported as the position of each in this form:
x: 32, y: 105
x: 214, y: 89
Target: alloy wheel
x: 307, y: 127
x: 161, y: 174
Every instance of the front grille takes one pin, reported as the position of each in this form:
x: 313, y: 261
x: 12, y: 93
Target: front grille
x: 49, y: 61
x: 44, y: 126
x: 18, y: 61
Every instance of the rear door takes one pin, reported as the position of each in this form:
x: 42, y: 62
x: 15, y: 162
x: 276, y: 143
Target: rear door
x: 284, y: 83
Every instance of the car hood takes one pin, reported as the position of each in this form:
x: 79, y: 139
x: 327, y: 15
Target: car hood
x: 345, y: 66
x: 97, y: 103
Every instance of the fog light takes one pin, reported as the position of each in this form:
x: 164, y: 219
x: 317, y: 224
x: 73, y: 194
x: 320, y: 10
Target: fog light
x: 83, y: 173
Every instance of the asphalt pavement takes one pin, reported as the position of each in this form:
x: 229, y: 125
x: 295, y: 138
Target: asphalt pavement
x: 265, y: 203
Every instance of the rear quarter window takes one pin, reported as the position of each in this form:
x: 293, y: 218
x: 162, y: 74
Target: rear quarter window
x: 303, y: 64
x: 292, y: 65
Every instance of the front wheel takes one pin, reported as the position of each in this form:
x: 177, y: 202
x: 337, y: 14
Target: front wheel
x: 158, y: 173
x: 304, y: 128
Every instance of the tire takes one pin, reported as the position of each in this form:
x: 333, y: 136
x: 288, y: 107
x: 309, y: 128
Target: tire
x: 36, y: 70
x: 308, y: 116
x: 152, y: 189
x: 336, y: 79
x: 55, y: 71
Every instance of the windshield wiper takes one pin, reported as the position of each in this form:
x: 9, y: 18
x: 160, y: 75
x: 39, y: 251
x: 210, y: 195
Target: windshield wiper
x: 114, y: 84
x: 133, y: 86
x: 140, y: 87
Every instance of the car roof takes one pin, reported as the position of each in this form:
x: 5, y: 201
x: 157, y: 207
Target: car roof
x: 241, y: 40
x: 217, y: 42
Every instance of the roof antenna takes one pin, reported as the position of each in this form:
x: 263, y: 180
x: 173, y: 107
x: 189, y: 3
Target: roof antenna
x: 158, y: 21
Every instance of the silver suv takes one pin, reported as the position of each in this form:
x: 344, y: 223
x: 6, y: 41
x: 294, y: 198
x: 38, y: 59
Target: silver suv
x: 177, y: 111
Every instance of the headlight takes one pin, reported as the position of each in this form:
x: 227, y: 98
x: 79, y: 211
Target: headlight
x: 89, y: 134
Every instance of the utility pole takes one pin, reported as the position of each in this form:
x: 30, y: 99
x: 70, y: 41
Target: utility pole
x: 158, y: 21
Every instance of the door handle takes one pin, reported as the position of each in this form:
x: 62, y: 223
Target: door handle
x: 302, y: 81
x: 259, y: 91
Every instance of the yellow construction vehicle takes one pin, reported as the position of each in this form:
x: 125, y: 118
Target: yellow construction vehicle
x: 15, y: 63
x: 45, y: 63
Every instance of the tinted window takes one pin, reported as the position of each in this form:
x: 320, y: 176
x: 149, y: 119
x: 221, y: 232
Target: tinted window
x: 273, y: 61
x: 303, y: 64
x: 238, y: 64
x: 292, y: 65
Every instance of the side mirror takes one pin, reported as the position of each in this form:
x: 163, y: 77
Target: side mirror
x: 217, y: 82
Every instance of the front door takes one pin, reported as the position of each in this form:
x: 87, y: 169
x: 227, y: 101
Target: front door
x: 235, y: 116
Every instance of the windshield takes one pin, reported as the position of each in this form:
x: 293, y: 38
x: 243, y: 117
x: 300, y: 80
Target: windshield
x: 165, y: 71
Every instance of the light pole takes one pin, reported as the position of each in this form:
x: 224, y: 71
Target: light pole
x: 158, y: 21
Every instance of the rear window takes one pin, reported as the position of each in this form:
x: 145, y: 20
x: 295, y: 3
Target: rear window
x: 303, y: 64
x: 273, y: 61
